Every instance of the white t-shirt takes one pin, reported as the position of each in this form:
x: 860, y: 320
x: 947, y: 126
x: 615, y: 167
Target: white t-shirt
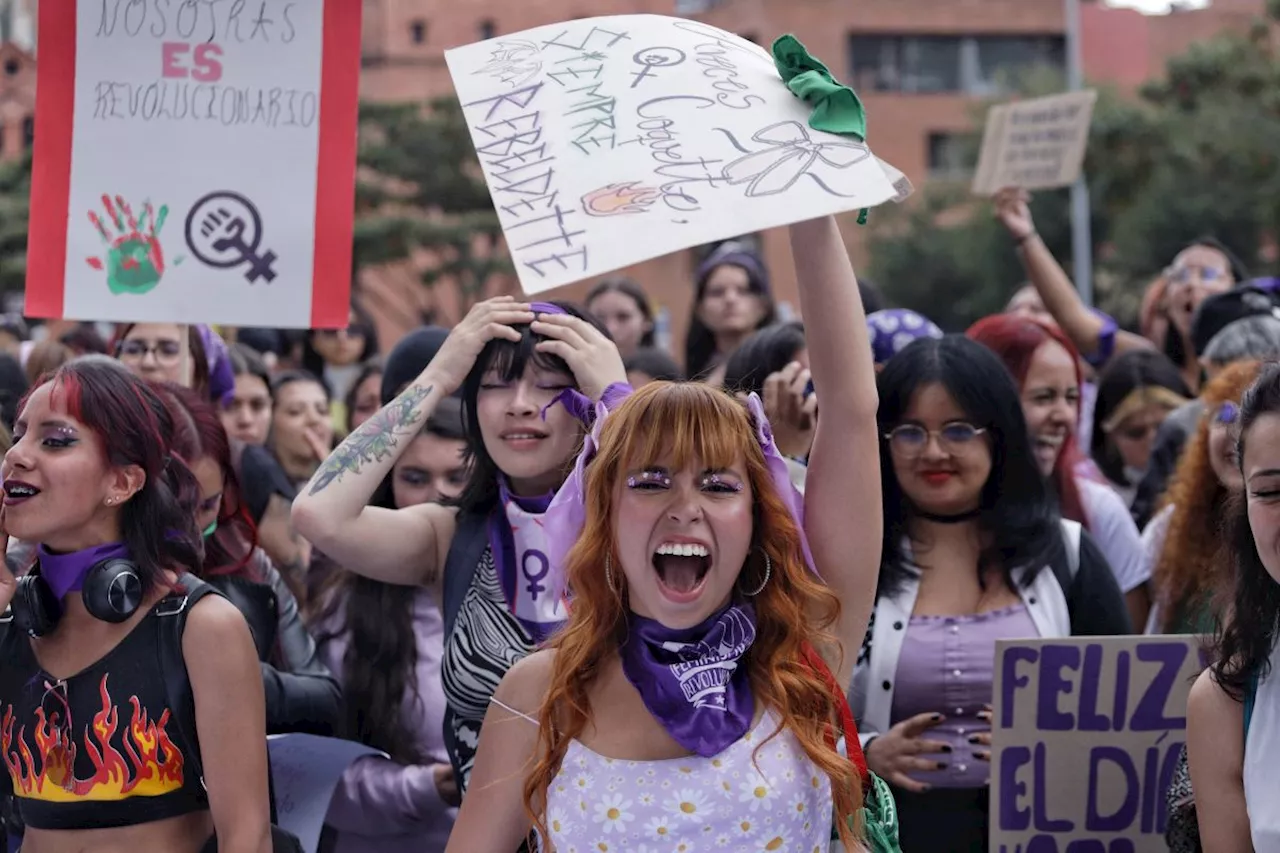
x: 1117, y: 536
x: 1261, y: 752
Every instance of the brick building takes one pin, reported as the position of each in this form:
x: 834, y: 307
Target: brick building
x: 919, y: 66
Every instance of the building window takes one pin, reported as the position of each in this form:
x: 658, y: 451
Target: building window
x: 488, y: 29
x: 949, y: 157
x: 28, y: 132
x: 971, y: 65
x: 418, y: 31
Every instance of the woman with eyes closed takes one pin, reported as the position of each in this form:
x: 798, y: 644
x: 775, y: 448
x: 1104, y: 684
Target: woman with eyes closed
x: 93, y: 480
x: 1046, y: 366
x: 528, y: 374
x: 974, y: 552
x: 692, y: 568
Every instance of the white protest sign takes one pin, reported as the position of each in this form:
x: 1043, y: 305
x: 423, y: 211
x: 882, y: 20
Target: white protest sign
x: 609, y: 141
x: 1086, y: 735
x: 1037, y: 144
x: 305, y: 770
x: 195, y: 162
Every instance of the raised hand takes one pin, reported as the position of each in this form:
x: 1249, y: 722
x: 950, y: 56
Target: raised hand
x: 485, y: 322
x: 592, y: 357
x: 135, y: 261
x: 894, y: 754
x: 792, y: 409
x: 1014, y: 212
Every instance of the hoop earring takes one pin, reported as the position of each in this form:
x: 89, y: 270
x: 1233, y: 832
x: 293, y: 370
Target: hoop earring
x: 608, y: 575
x: 768, y: 570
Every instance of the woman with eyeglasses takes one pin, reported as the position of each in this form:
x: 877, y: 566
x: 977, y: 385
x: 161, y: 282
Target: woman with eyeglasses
x: 974, y: 551
x: 1184, y: 538
x: 153, y: 351
x: 1136, y: 392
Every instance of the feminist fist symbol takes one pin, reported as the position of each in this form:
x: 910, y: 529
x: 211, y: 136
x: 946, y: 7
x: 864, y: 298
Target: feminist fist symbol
x: 791, y: 154
x: 134, y: 261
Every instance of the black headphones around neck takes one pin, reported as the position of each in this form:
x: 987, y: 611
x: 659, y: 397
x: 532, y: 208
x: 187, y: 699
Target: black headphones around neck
x: 112, y: 592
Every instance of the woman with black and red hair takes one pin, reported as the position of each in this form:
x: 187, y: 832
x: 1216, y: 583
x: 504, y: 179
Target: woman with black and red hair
x: 1046, y: 366
x: 301, y: 694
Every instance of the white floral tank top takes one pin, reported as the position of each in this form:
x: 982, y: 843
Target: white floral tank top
x: 779, y: 802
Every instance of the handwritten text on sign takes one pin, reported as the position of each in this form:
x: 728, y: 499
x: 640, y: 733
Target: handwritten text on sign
x: 197, y: 159
x: 608, y: 141
x: 1086, y: 736
x: 1035, y: 144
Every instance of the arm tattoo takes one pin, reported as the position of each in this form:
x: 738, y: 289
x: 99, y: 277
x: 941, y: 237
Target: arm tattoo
x: 375, y: 440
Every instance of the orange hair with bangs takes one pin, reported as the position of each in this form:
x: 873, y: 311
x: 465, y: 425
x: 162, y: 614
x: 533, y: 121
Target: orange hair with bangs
x: 1185, y: 573
x: 676, y: 424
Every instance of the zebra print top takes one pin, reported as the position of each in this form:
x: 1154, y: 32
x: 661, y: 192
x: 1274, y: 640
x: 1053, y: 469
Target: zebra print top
x: 486, y: 642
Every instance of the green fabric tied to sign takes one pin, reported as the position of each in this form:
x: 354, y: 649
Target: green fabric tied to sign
x: 836, y: 107
x: 879, y: 819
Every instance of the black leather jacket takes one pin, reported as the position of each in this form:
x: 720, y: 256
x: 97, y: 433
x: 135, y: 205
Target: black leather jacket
x: 302, y: 695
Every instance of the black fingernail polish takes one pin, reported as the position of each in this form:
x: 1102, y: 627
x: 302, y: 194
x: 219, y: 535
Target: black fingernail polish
x: 942, y: 765
x: 946, y: 748
x: 936, y: 717
x: 974, y: 739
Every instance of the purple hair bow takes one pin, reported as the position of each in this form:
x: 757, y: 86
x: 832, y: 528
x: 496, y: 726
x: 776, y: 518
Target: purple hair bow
x: 567, y: 514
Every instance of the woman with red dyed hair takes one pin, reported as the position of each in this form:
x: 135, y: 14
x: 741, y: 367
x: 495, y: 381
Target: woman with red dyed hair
x: 1046, y: 366
x: 133, y: 699
x: 689, y: 697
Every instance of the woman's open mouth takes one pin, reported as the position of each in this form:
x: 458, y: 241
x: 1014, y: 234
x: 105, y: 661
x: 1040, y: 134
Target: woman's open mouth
x: 17, y: 492
x: 682, y: 569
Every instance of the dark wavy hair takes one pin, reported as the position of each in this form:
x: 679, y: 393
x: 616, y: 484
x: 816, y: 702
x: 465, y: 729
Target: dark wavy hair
x: 1244, y: 640
x: 700, y: 341
x: 765, y: 352
x: 631, y: 290
x: 1018, y: 508
x: 199, y: 434
x: 509, y: 359
x: 135, y: 426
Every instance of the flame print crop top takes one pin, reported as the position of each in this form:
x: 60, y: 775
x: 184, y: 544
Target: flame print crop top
x: 102, y: 748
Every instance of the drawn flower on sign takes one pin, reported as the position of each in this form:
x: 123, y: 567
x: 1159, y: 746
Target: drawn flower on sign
x: 790, y: 155
x: 134, y: 261
x: 618, y: 199
x: 512, y: 62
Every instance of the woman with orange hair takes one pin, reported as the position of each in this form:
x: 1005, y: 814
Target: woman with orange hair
x: 690, y: 696
x: 1183, y: 540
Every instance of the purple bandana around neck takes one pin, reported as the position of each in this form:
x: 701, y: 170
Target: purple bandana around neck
x: 532, y: 569
x: 692, y: 680
x: 65, y: 573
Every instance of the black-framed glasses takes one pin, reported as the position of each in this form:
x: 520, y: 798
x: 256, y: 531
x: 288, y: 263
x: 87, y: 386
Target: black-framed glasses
x: 136, y: 349
x: 911, y: 439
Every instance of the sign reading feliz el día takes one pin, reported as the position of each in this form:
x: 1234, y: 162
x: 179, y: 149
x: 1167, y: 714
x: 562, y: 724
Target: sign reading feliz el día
x: 609, y: 141
x: 195, y: 161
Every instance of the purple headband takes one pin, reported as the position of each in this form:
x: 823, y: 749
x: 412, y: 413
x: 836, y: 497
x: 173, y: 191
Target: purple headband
x: 567, y: 514
x: 546, y: 308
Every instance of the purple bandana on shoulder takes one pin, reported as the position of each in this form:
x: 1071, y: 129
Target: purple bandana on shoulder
x: 518, y: 541
x: 691, y: 680
x: 65, y: 573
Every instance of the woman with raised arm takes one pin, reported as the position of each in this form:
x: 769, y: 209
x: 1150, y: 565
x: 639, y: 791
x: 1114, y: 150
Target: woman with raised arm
x: 690, y: 698
x: 521, y: 367
x: 104, y: 751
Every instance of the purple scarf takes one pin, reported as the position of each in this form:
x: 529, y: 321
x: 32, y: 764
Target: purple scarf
x: 691, y: 680
x: 524, y: 577
x: 65, y: 573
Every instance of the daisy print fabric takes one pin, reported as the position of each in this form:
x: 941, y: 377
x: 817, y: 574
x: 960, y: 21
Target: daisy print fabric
x: 777, y: 802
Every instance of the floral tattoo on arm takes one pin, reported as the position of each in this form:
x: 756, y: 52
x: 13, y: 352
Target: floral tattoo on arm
x: 375, y: 440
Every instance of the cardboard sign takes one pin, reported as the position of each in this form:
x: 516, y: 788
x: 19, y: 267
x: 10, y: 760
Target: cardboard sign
x: 608, y: 141
x: 1086, y: 736
x: 1036, y: 145
x: 305, y: 770
x: 195, y: 162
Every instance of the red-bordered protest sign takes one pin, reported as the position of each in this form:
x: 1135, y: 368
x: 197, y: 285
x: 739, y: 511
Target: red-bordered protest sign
x: 195, y: 162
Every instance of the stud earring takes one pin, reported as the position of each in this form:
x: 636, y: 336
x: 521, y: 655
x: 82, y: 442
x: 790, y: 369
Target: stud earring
x: 768, y: 570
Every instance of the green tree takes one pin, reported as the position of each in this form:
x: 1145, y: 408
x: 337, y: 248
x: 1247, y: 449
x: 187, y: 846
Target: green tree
x: 15, y: 192
x: 1194, y: 154
x: 420, y: 186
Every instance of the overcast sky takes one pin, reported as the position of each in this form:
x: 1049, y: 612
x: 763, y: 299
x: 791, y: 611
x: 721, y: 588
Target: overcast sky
x: 1153, y: 5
